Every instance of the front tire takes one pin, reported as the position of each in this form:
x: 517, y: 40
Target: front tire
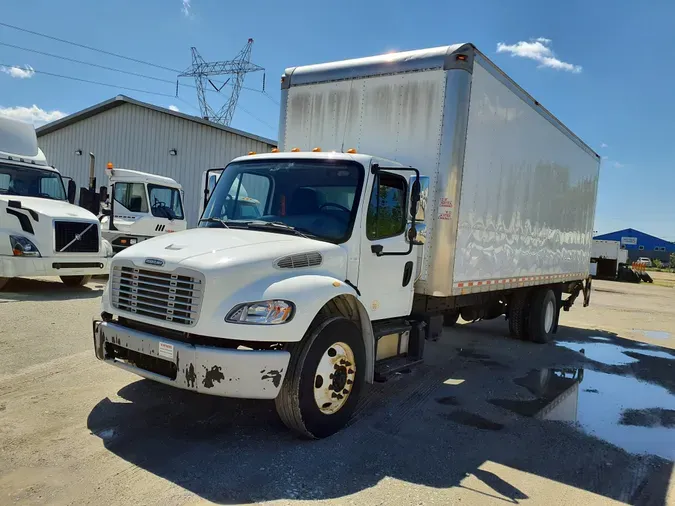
x: 324, y: 379
x: 75, y: 280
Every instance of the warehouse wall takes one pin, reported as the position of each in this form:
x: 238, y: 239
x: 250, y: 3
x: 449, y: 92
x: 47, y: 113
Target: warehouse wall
x: 135, y: 137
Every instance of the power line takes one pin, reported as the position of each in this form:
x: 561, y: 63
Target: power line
x: 91, y: 82
x: 84, y: 46
x: 121, y: 71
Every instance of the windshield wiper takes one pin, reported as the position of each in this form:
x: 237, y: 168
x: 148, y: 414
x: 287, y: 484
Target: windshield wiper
x: 214, y: 220
x: 281, y: 227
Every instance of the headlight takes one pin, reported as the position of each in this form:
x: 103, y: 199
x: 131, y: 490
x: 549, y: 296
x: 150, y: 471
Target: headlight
x: 23, y: 247
x: 266, y: 312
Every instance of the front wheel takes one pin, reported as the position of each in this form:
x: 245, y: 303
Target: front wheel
x: 75, y: 280
x: 324, y: 379
x: 543, y: 315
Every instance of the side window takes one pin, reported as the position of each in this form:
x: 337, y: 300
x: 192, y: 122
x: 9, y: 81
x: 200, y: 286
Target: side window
x: 131, y: 196
x: 165, y: 202
x: 4, y: 181
x: 387, y: 209
x: 247, y: 198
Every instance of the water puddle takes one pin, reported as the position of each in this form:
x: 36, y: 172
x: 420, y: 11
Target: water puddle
x: 654, y: 334
x: 612, y: 354
x: 622, y: 410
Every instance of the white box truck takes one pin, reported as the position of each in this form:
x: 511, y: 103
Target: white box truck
x: 606, y: 258
x: 42, y: 233
x: 408, y: 189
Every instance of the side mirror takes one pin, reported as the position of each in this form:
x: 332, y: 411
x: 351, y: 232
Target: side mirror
x: 72, y: 190
x: 414, y: 197
x: 103, y: 192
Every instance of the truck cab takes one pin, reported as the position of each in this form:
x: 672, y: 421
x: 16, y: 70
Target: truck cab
x: 41, y: 232
x: 140, y: 206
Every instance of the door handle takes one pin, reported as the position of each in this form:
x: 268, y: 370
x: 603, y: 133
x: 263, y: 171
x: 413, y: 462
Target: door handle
x: 377, y: 249
x: 407, y: 273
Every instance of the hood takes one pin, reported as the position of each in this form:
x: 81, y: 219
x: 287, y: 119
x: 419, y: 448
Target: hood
x: 212, y: 248
x: 51, y: 208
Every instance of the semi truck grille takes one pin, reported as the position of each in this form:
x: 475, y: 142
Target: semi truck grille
x: 162, y: 295
x: 75, y: 237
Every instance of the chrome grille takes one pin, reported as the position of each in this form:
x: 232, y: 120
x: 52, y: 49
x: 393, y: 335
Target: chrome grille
x: 168, y: 296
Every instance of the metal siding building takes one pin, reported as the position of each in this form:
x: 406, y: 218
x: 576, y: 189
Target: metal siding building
x: 640, y: 244
x: 140, y: 136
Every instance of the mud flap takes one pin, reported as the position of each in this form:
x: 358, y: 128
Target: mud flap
x: 587, y: 291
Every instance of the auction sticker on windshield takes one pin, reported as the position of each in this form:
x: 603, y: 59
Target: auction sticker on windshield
x: 165, y: 350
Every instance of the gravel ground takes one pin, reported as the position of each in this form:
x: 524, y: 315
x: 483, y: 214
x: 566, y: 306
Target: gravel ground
x: 474, y: 424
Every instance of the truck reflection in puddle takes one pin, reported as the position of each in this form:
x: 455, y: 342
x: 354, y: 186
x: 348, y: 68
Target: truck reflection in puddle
x: 635, y: 415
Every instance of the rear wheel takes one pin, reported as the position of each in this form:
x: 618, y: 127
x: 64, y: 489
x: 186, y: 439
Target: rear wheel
x: 324, y: 379
x: 3, y: 283
x: 450, y: 318
x: 543, y: 315
x: 518, y: 309
x: 75, y: 280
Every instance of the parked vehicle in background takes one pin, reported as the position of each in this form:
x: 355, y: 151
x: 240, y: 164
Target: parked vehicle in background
x: 140, y: 206
x: 645, y: 260
x: 41, y: 232
x: 466, y: 198
x: 607, y: 257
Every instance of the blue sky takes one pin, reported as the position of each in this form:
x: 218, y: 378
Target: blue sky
x: 605, y: 68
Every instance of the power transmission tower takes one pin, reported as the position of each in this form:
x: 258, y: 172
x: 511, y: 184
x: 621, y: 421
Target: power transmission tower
x: 236, y: 69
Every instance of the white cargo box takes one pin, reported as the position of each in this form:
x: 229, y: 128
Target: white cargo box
x: 512, y: 191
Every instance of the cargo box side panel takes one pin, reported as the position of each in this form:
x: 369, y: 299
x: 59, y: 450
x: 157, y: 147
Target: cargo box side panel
x: 397, y: 116
x: 528, y: 192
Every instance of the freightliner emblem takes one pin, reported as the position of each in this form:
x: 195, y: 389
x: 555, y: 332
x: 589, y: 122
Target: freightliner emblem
x: 154, y: 261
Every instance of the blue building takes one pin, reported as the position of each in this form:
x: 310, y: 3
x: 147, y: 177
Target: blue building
x: 640, y: 244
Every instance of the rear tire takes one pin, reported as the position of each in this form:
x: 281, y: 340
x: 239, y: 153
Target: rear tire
x: 519, y: 308
x: 450, y: 318
x: 301, y: 392
x: 543, y: 315
x: 3, y: 283
x: 75, y: 280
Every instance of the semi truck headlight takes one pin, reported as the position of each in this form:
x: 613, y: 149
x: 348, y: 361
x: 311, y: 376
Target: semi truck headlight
x: 23, y: 247
x: 266, y: 312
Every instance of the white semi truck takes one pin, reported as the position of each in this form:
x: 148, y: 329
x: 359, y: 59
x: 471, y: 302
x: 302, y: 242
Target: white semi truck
x: 42, y: 233
x: 140, y: 206
x: 606, y: 258
x: 409, y: 189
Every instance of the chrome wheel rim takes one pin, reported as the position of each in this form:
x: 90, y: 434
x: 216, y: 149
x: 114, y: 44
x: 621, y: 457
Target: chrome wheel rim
x: 548, y: 317
x: 334, y: 378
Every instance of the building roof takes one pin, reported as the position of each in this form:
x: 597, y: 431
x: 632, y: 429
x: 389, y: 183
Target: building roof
x: 631, y: 232
x: 123, y: 99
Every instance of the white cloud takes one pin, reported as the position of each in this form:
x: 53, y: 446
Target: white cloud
x: 618, y: 165
x: 33, y: 114
x: 540, y: 51
x: 603, y: 145
x: 187, y: 5
x: 174, y: 108
x: 19, y: 73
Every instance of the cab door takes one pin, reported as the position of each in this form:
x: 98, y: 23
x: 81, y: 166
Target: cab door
x: 209, y: 180
x: 387, y: 262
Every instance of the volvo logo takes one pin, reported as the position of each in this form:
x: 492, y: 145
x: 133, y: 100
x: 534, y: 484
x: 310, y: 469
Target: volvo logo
x: 154, y: 261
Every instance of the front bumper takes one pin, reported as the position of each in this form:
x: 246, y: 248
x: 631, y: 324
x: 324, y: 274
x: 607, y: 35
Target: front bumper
x: 76, y: 265
x: 215, y: 371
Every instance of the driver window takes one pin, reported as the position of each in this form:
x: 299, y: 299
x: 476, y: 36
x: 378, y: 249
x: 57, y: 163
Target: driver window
x: 387, y: 210
x: 131, y: 196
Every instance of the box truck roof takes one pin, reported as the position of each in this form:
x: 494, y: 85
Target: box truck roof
x: 301, y: 155
x: 456, y: 56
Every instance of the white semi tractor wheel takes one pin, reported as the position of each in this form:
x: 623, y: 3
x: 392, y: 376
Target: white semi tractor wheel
x: 324, y: 379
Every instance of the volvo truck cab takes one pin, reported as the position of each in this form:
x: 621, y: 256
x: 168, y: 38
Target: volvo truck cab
x: 42, y: 233
x: 140, y: 206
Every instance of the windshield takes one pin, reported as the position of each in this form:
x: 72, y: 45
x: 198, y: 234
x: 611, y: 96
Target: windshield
x: 165, y: 202
x: 315, y: 197
x: 31, y: 182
